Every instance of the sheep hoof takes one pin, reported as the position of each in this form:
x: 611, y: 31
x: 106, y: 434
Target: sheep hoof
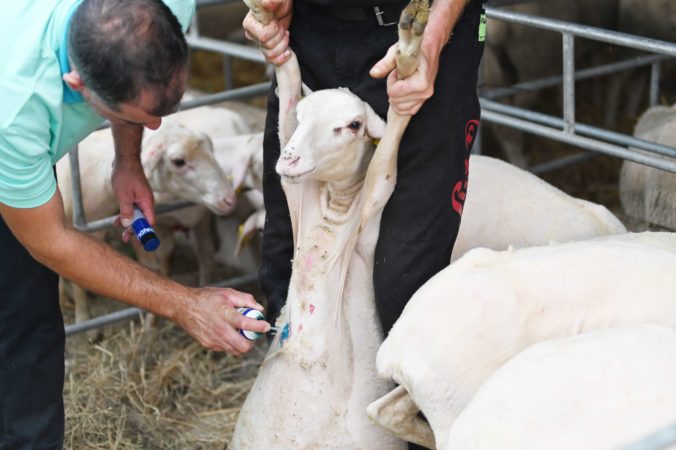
x: 411, y: 26
x: 259, y: 13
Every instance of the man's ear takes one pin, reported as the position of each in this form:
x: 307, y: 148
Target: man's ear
x: 74, y: 81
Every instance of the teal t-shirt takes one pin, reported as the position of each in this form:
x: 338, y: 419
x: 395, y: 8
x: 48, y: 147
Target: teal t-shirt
x: 41, y: 119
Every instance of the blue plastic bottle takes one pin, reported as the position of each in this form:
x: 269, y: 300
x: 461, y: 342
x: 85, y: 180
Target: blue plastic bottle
x: 143, y: 231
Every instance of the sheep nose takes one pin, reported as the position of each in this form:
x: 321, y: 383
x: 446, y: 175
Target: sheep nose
x: 290, y: 159
x: 229, y: 201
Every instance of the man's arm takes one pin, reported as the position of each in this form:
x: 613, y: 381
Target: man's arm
x: 128, y: 179
x: 407, y: 96
x: 208, y: 314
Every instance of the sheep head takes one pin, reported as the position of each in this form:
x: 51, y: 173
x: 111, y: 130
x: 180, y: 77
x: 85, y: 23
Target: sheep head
x: 181, y: 162
x: 333, y: 141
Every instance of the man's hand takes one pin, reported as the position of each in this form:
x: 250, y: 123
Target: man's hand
x: 212, y: 319
x: 130, y: 185
x: 408, y: 95
x: 273, y: 38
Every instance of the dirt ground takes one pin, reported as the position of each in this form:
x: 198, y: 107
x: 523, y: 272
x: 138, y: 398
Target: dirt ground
x: 139, y: 387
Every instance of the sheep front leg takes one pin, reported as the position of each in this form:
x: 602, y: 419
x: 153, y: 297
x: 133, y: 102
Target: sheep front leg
x: 398, y: 413
x: 79, y: 296
x: 202, y: 236
x: 82, y: 313
x: 80, y: 301
x: 288, y: 81
x: 158, y: 261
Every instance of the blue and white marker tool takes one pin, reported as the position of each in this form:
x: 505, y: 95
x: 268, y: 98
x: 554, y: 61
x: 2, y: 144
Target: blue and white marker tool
x: 143, y: 231
x: 253, y: 314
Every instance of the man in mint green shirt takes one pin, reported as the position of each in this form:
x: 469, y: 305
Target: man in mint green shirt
x: 66, y: 66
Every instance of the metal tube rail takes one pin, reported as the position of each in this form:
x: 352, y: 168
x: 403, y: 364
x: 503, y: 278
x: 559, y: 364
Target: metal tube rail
x: 201, y: 3
x: 585, y: 31
x: 76, y: 188
x: 226, y: 48
x: 107, y: 222
x: 234, y: 94
x: 654, y: 83
x: 641, y: 157
x: 569, y: 83
x: 132, y: 313
x: 584, y: 74
x: 586, y: 130
x: 568, y: 125
x: 560, y: 163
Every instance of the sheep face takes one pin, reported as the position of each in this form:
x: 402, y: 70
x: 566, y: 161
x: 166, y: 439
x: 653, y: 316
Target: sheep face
x: 181, y: 162
x: 333, y: 140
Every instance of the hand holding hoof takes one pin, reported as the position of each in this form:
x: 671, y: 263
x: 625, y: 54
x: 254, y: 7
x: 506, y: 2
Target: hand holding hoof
x: 262, y: 15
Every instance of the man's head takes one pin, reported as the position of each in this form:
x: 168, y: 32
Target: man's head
x: 129, y: 59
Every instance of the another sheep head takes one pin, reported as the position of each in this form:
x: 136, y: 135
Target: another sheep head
x: 181, y: 162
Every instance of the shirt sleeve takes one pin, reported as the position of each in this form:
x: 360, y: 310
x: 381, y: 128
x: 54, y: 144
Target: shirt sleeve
x: 26, y: 174
x: 183, y: 10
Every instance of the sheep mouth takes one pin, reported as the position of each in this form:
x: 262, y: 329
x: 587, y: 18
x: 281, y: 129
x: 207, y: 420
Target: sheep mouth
x: 222, y: 207
x: 296, y: 178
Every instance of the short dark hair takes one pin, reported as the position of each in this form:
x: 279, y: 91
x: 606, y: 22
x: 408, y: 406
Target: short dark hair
x: 121, y: 47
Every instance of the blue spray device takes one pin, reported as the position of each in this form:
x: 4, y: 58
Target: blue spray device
x: 143, y: 231
x: 255, y: 314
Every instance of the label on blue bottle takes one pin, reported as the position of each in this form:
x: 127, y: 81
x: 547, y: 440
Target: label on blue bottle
x: 144, y: 232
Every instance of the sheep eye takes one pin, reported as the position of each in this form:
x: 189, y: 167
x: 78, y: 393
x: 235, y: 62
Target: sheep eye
x: 355, y: 125
x: 178, y: 162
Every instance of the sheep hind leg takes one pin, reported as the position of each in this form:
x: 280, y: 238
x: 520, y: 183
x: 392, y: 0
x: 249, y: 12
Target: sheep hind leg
x: 398, y: 413
x: 158, y: 261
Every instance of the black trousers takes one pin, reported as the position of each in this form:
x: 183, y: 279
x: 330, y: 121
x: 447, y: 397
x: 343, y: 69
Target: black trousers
x: 31, y: 351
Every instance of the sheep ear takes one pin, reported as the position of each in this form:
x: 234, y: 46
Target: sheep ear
x: 239, y: 172
x: 204, y: 137
x: 154, y: 147
x: 375, y: 126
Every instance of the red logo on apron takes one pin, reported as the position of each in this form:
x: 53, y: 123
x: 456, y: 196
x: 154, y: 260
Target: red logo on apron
x: 460, y: 188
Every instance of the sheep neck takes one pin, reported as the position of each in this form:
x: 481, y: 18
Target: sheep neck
x: 337, y: 200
